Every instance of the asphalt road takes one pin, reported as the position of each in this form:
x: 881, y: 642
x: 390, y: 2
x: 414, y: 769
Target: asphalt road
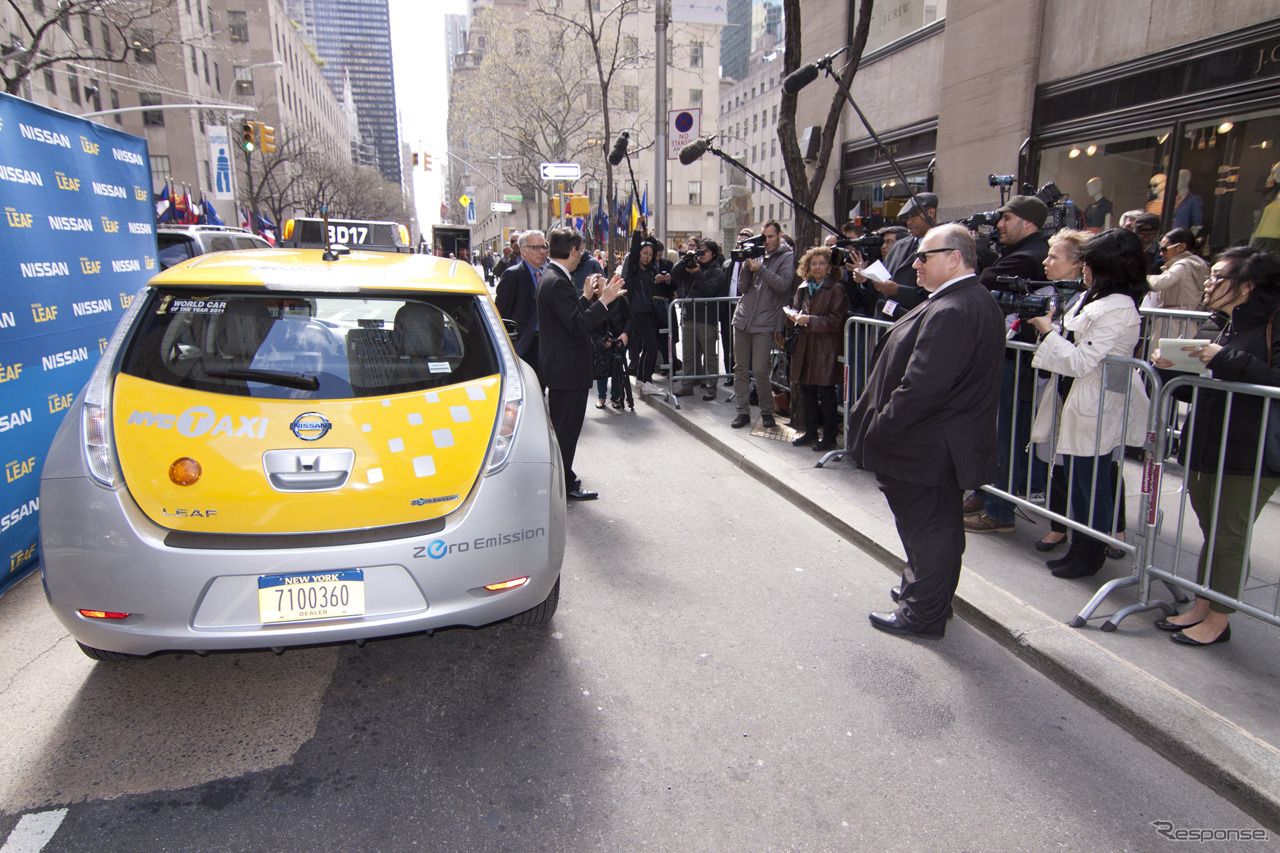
x: 710, y: 683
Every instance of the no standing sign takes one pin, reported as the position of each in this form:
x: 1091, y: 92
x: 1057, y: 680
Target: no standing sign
x: 683, y: 127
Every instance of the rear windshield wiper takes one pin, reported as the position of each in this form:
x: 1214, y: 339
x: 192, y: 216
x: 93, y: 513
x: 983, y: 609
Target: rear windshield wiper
x: 301, y: 381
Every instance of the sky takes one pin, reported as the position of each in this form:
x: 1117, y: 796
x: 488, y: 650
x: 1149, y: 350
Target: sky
x: 417, y: 47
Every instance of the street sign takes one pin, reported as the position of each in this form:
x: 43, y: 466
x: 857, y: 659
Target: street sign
x: 464, y: 200
x: 560, y: 171
x: 683, y: 127
x: 471, y: 212
x: 500, y: 207
x: 516, y: 197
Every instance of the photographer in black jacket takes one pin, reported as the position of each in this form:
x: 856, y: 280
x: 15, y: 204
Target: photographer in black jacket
x: 1023, y: 250
x: 700, y: 277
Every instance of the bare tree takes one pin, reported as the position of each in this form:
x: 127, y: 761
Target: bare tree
x: 805, y: 187
x: 111, y: 31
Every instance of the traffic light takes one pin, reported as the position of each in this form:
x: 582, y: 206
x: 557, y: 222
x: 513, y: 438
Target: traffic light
x: 415, y: 159
x: 426, y: 163
x: 246, y: 132
x: 267, y: 136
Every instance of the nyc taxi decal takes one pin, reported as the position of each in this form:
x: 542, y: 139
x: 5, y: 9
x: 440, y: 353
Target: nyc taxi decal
x: 198, y: 420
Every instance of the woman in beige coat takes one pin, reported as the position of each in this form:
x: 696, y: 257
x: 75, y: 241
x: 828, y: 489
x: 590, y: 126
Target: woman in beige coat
x: 1180, y: 285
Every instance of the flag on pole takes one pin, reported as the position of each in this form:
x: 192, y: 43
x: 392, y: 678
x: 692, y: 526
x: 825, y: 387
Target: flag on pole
x: 211, y: 216
x: 644, y: 203
x: 163, y: 211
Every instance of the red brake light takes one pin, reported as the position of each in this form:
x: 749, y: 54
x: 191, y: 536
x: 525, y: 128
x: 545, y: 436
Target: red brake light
x: 103, y: 614
x: 511, y: 584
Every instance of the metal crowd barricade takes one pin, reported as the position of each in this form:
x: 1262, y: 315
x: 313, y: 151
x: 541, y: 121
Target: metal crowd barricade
x: 861, y: 334
x: 1258, y: 591
x: 704, y: 313
x: 1160, y: 323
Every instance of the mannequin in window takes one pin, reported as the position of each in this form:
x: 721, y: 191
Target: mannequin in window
x: 1267, y: 235
x: 1155, y: 196
x: 1098, y: 214
x: 1188, y: 211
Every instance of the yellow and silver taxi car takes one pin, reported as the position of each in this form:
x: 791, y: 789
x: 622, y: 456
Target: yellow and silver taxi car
x: 283, y: 447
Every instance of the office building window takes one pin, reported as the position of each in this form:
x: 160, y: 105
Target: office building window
x: 144, y: 50
x: 50, y: 82
x: 237, y: 25
x: 695, y: 98
x: 73, y: 82
x: 244, y: 81
x: 151, y: 118
x: 695, y: 192
x: 160, y: 172
x: 631, y: 98
x: 695, y: 54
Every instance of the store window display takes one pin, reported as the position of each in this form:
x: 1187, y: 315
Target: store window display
x: 1224, y: 188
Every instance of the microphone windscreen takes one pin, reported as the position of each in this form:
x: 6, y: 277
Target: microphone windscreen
x: 691, y: 152
x: 801, y: 77
x: 619, y: 150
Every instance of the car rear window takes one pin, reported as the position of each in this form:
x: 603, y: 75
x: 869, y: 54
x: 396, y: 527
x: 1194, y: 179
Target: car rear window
x: 309, y: 347
x: 174, y: 250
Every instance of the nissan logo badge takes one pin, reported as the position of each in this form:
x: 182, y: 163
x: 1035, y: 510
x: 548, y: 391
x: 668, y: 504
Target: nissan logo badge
x: 311, y: 426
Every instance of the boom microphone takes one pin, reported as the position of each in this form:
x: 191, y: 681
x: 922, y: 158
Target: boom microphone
x: 695, y: 149
x: 619, y: 149
x: 806, y: 74
x: 801, y: 77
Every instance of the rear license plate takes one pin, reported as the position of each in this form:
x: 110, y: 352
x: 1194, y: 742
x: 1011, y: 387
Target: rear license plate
x: 322, y: 595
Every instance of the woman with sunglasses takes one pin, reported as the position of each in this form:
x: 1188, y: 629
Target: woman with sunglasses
x: 1180, y: 283
x: 1095, y: 422
x: 1243, y: 289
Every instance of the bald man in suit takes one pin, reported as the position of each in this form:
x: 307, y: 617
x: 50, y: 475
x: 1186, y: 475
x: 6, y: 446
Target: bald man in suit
x: 926, y: 424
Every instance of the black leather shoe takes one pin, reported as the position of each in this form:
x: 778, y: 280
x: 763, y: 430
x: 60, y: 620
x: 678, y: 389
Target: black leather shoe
x: 895, y: 593
x: 807, y: 438
x: 888, y: 622
x: 1166, y: 625
x: 740, y: 421
x: 1187, y: 641
x: 1044, y: 547
x: 823, y: 445
x: 581, y: 494
x: 768, y: 422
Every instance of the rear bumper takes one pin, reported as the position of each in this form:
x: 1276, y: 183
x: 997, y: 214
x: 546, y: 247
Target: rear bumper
x: 101, y: 552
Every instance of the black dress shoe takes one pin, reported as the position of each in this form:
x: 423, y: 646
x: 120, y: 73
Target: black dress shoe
x: 1187, y: 641
x: 1044, y: 547
x: 823, y: 445
x: 888, y: 622
x: 807, y: 438
x: 581, y: 494
x: 768, y: 422
x: 1166, y: 625
x: 895, y: 593
x: 740, y: 421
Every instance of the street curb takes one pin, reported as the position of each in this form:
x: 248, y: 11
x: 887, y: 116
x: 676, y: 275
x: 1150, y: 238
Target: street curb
x: 1243, y: 769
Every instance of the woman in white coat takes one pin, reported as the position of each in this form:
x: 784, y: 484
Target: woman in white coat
x: 1093, y: 421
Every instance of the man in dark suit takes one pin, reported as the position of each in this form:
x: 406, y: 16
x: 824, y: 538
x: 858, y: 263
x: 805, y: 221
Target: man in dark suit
x: 516, y: 296
x: 926, y: 424
x: 566, y: 318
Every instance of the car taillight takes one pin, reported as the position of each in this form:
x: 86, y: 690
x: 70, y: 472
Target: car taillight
x: 504, y: 435
x: 103, y: 614
x: 95, y: 420
x: 511, y: 584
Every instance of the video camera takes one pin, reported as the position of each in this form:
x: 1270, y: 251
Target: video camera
x: 689, y: 259
x: 1017, y: 295
x: 845, y: 249
x: 745, y: 250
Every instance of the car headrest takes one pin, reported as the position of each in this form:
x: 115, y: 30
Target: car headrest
x: 245, y: 325
x: 419, y: 331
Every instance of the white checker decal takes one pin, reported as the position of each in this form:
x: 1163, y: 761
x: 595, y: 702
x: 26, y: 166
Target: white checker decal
x: 475, y: 392
x: 461, y: 414
x: 415, y: 419
x: 375, y: 475
x: 366, y: 427
x: 386, y: 404
x: 432, y: 397
x: 423, y: 466
x: 442, y: 437
x: 396, y: 445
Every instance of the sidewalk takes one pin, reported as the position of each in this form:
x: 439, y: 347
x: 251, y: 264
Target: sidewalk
x: 1212, y: 712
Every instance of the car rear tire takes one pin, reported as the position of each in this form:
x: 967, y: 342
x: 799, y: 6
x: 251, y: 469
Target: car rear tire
x: 104, y: 655
x: 543, y: 612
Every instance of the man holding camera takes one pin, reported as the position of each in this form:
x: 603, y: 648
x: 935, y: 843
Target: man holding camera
x: 699, y: 276
x: 766, y: 284
x: 1023, y: 254
x: 566, y: 318
x: 732, y: 273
